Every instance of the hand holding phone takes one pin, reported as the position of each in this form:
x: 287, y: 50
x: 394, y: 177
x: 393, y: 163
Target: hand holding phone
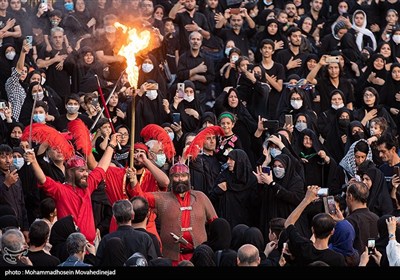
x: 29, y: 40
x: 332, y: 59
x: 289, y: 120
x: 266, y: 170
x: 176, y: 118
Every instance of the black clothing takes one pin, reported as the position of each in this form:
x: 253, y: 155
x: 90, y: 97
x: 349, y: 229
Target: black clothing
x: 40, y: 258
x: 133, y: 240
x: 305, y: 253
x: 13, y: 196
x: 235, y: 204
x: 61, y: 123
x: 365, y: 224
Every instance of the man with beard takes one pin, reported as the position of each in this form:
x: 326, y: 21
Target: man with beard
x: 292, y: 58
x: 74, y: 196
x: 183, y: 213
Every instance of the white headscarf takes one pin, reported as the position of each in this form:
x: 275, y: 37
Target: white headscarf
x: 361, y: 31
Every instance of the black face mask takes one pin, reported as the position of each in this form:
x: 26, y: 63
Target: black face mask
x: 343, y: 123
x: 364, y: 57
x: 358, y: 136
x: 14, y: 142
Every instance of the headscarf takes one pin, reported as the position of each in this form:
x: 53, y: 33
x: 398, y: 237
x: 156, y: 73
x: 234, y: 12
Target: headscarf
x: 363, y: 31
x: 203, y: 256
x: 342, y: 239
x: 243, y: 172
x: 114, y: 253
x: 238, y: 233
x: 220, y: 236
x: 58, y: 237
x: 349, y: 163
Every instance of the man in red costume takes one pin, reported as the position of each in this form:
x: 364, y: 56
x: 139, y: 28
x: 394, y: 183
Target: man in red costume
x: 73, y: 197
x: 149, y: 176
x: 183, y: 213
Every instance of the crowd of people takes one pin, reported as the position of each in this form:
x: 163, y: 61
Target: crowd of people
x: 259, y: 133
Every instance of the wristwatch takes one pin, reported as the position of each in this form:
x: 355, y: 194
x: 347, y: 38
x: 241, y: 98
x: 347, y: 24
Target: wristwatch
x: 200, y: 29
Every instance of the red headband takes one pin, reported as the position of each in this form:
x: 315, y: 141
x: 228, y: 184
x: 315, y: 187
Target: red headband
x: 141, y: 146
x: 179, y: 168
x: 76, y: 161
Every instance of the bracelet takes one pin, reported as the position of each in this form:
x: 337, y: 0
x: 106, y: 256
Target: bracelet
x: 391, y: 236
x: 112, y: 146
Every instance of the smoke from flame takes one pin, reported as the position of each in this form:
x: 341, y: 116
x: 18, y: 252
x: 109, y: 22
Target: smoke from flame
x: 135, y: 43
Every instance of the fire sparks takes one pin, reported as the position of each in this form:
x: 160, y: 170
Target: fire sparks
x: 135, y: 43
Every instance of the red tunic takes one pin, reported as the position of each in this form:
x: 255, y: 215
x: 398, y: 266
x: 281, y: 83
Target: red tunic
x: 75, y: 201
x: 115, y: 191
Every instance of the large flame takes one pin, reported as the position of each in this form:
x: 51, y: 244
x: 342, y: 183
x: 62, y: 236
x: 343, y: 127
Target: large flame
x: 135, y: 43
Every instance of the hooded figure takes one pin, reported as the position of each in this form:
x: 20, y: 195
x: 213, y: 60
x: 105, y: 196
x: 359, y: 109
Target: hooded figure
x: 342, y: 242
x: 234, y: 190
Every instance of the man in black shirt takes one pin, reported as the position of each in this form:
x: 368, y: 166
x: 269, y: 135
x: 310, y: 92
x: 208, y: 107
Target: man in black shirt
x: 303, y: 249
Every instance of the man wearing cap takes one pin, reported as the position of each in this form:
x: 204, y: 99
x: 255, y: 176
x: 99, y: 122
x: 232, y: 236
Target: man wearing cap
x: 74, y: 196
x: 183, y: 213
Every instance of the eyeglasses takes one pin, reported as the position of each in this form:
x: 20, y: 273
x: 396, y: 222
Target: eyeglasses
x: 369, y: 95
x: 124, y: 135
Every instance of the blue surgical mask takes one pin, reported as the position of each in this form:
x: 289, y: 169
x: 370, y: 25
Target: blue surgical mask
x: 227, y: 51
x: 275, y: 152
x: 39, y: 118
x: 279, y: 172
x: 171, y: 135
x: 160, y: 160
x: 18, y: 162
x: 300, y: 126
x: 69, y: 6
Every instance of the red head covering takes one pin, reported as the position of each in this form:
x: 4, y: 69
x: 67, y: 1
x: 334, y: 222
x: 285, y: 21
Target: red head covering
x: 179, y: 168
x: 140, y: 145
x: 76, y: 161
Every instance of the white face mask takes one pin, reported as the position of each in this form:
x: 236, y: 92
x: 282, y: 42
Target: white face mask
x: 147, y: 67
x: 234, y: 58
x: 188, y: 98
x: 43, y: 81
x: 279, y: 172
x: 342, y: 11
x: 227, y: 51
x: 152, y: 94
x: 300, y: 126
x: 296, y: 104
x: 396, y: 39
x: 372, y: 132
x: 10, y: 55
x: 39, y: 95
x: 337, y: 106
x: 171, y: 135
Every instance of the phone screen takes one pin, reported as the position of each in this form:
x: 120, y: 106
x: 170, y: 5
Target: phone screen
x: 371, y: 245
x: 323, y: 192
x: 176, y: 117
x: 181, y: 90
x: 288, y: 119
x: 331, y: 205
x: 396, y: 170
